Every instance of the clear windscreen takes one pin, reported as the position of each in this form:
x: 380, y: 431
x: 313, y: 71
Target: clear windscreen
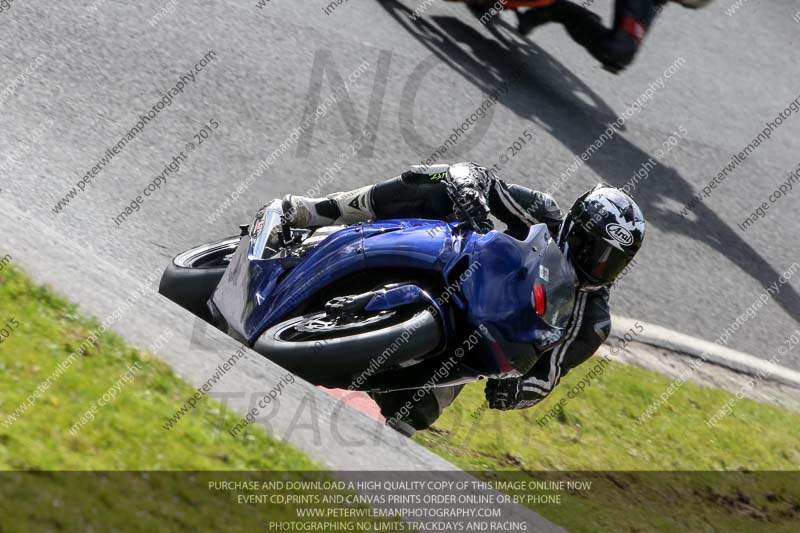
x: 265, y: 230
x: 557, y: 277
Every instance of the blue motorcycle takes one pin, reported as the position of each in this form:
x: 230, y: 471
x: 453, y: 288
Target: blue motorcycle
x: 384, y: 305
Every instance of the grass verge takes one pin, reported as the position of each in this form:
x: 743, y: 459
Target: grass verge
x: 598, y: 430
x: 39, y: 330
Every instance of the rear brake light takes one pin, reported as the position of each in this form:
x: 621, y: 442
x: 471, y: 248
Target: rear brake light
x: 538, y: 299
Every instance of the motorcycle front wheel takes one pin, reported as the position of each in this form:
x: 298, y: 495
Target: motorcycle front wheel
x: 191, y: 277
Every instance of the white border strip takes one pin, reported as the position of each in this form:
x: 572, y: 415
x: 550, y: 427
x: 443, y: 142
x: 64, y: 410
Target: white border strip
x: 713, y: 353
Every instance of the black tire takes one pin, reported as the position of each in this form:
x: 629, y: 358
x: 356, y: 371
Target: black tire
x: 191, y: 277
x: 338, y: 360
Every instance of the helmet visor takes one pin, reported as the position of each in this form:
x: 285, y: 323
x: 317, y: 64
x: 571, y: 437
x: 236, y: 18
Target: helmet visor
x: 598, y: 260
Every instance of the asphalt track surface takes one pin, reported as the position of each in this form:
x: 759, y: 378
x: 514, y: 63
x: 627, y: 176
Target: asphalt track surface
x: 103, y: 64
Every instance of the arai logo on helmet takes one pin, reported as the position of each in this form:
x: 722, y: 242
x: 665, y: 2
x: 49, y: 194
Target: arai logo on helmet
x: 619, y: 234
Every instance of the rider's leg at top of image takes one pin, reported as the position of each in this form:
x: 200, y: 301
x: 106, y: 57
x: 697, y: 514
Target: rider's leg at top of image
x: 614, y: 47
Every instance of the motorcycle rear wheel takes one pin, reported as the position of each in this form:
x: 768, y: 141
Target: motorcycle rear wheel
x: 316, y: 348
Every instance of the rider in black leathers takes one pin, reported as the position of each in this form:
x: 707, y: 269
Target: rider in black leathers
x: 614, y: 47
x: 421, y: 192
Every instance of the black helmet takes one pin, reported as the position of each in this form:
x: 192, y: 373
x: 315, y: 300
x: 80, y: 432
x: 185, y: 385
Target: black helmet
x: 601, y: 233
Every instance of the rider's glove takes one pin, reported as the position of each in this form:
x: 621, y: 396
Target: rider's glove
x: 507, y: 394
x: 477, y: 208
x: 468, y: 186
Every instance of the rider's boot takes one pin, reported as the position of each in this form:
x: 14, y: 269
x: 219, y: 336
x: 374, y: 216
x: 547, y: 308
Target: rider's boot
x: 537, y: 15
x: 338, y: 208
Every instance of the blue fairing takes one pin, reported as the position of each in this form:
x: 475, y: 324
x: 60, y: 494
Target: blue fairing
x: 257, y: 293
x: 502, y: 273
x: 490, y: 278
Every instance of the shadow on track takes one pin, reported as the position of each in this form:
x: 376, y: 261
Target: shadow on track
x: 572, y: 113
